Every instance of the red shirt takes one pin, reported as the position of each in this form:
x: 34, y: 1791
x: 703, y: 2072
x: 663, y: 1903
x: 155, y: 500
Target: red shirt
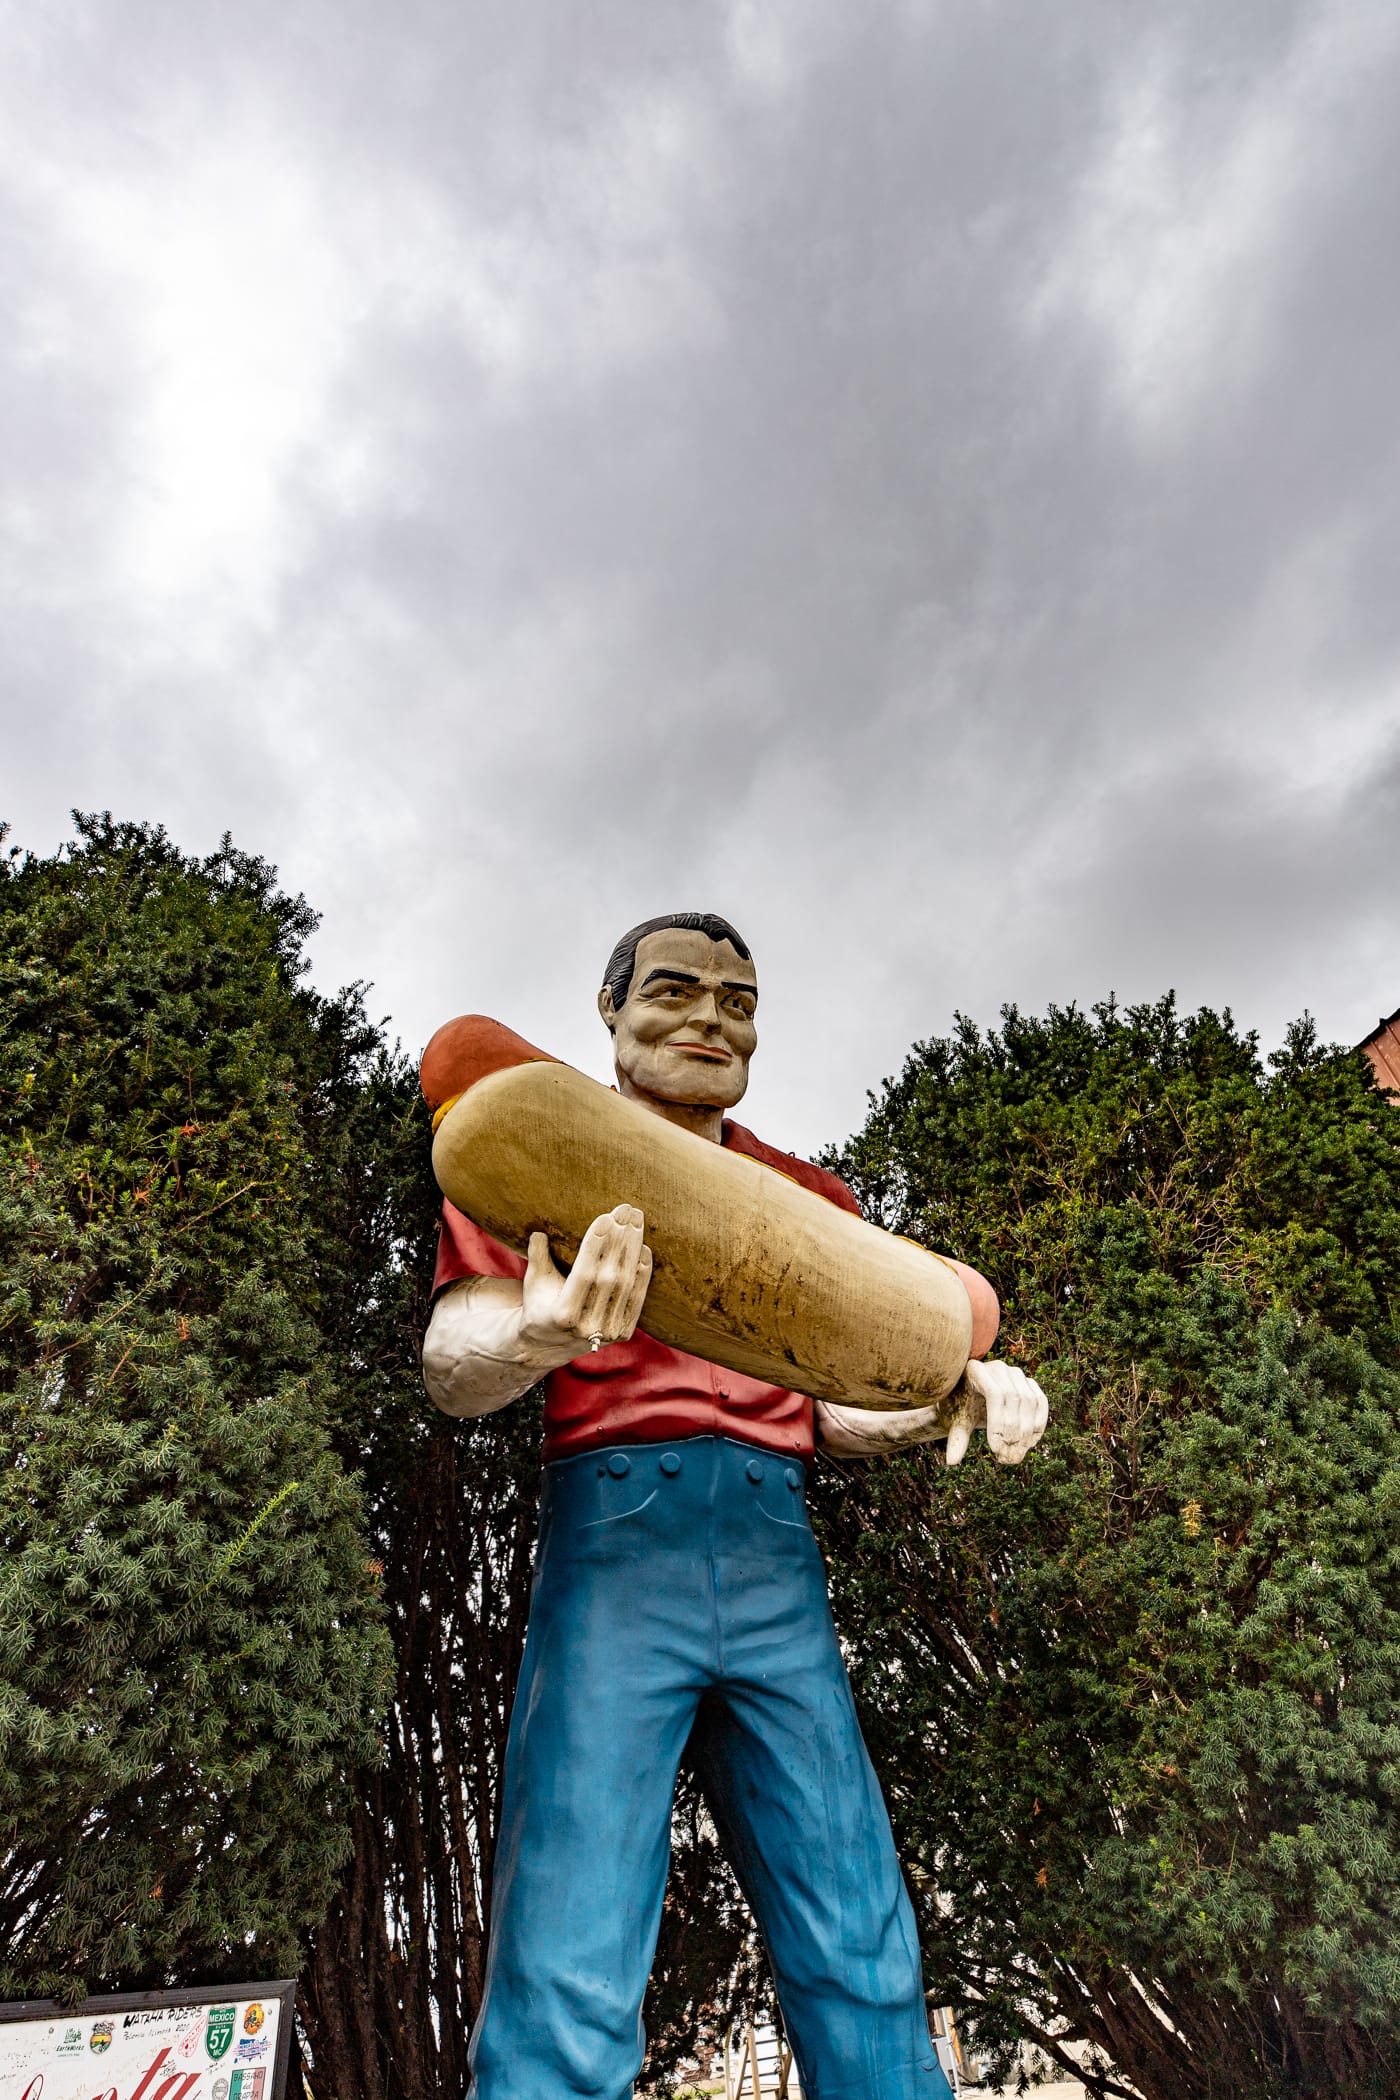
x: 641, y: 1392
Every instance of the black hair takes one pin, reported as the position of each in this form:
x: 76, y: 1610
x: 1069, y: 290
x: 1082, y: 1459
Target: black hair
x: 617, y: 978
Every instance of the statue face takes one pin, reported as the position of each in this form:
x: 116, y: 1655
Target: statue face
x: 685, y: 1032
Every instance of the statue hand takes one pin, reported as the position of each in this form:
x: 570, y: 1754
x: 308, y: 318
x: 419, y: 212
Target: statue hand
x: 1010, y: 1406
x: 601, y: 1297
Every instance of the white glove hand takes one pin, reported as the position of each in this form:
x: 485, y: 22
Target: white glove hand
x: 601, y: 1297
x: 1011, y: 1407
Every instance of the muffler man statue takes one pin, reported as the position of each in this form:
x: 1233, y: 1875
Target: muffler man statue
x: 680, y: 1602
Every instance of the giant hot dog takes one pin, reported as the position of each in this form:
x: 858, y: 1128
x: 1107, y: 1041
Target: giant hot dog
x: 751, y: 1270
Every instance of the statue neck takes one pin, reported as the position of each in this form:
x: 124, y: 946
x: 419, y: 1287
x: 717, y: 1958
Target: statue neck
x: 704, y: 1121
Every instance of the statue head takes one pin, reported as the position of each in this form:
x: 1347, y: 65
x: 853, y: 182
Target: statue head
x: 679, y: 995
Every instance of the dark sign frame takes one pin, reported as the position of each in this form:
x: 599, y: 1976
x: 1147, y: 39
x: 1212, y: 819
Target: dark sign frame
x: 283, y: 1989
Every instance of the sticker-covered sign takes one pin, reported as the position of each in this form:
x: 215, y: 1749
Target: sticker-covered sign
x: 224, y: 2047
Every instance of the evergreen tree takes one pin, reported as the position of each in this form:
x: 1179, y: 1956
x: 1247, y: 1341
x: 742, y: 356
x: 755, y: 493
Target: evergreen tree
x: 262, y: 1607
x: 192, y: 1656
x: 1135, y: 1702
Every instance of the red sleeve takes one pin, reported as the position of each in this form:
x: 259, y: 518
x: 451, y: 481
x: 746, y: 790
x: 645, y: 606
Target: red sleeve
x: 465, y: 1250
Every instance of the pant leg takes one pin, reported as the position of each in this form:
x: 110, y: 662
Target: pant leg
x: 615, y: 1660
x: 791, y: 1786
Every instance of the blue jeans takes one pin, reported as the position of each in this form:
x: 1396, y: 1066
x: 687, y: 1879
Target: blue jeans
x: 680, y: 1596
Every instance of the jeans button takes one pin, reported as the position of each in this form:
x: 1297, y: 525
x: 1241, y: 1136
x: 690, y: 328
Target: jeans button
x: 670, y: 1464
x: 618, y: 1465
x: 754, y: 1470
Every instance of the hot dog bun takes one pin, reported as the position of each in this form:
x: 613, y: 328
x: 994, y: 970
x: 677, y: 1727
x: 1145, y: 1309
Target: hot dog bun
x: 751, y: 1271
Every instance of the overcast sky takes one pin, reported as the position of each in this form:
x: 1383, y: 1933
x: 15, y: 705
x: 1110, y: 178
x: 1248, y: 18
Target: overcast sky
x: 920, y: 479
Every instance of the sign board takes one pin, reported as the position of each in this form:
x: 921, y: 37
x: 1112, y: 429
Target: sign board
x: 211, y: 2042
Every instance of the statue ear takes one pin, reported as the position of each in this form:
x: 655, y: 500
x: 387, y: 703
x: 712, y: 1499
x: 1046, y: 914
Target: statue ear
x: 607, y: 1009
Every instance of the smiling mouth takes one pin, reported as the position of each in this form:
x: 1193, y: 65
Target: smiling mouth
x: 705, y: 1050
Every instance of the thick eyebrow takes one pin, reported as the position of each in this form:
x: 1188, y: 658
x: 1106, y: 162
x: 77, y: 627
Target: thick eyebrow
x: 685, y: 977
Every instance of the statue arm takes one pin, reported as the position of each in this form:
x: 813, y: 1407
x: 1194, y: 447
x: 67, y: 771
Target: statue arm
x: 996, y: 1397
x: 491, y: 1338
x: 868, y: 1432
x: 475, y: 1358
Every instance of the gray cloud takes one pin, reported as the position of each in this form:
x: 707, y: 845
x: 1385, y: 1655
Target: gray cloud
x: 919, y: 480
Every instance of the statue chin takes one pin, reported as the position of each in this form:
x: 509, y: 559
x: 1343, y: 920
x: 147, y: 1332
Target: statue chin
x: 713, y: 1096
x: 718, y: 1094
x: 688, y: 1083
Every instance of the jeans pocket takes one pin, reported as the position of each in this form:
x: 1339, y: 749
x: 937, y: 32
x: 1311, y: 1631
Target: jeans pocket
x: 619, y: 1516
x: 786, y: 1523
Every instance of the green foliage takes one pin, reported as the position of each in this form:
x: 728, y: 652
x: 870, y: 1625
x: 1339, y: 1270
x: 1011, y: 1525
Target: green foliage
x: 261, y: 1607
x: 192, y: 1659
x: 1135, y: 1703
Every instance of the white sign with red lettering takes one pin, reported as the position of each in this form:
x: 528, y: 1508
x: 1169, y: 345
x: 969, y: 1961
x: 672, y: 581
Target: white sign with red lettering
x: 224, y: 2049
